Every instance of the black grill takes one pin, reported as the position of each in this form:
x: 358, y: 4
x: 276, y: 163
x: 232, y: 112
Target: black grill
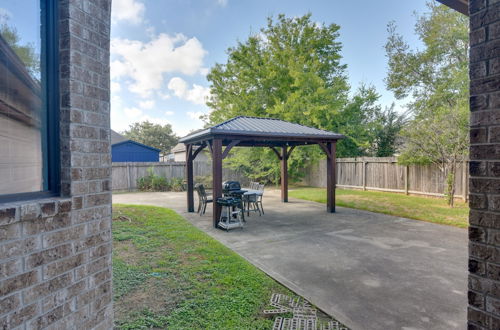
x: 232, y: 188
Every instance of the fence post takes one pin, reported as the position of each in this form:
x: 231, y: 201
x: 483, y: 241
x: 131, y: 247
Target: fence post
x: 128, y: 177
x: 407, y: 174
x: 464, y: 180
x: 364, y: 174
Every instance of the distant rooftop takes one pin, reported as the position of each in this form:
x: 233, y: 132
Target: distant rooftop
x: 117, y: 137
x: 180, y: 147
x: 261, y: 128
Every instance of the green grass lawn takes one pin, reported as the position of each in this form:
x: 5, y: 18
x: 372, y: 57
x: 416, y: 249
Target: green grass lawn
x: 413, y: 207
x: 168, y: 273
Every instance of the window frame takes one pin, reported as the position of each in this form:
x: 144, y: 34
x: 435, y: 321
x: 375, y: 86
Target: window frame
x: 50, y: 127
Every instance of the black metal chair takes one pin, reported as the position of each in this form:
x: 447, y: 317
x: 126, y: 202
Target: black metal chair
x: 259, y: 198
x: 251, y: 203
x: 203, y: 198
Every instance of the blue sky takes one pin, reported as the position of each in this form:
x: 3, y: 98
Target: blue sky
x: 162, y: 50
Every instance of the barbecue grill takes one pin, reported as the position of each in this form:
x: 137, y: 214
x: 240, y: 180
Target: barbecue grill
x: 231, y: 213
x: 232, y: 189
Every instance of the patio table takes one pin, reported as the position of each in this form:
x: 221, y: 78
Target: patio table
x: 253, y: 191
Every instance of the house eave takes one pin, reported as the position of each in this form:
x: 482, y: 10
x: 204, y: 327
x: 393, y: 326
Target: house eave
x: 462, y: 6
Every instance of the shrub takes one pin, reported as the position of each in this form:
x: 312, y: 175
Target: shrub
x: 177, y: 184
x: 204, y: 180
x: 154, y: 182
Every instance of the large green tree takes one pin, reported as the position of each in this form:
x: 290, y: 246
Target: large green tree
x: 291, y: 70
x: 435, y: 78
x: 154, y: 135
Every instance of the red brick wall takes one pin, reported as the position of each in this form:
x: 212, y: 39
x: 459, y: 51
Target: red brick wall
x: 484, y: 231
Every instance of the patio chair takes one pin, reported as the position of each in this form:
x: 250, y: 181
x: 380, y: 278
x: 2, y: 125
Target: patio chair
x: 260, y: 187
x: 251, y: 203
x: 203, y: 199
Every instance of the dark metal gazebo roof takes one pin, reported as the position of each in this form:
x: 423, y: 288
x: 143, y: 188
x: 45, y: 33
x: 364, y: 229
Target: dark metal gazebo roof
x: 262, y: 129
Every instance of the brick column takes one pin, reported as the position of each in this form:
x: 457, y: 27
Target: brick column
x: 484, y: 230
x: 55, y: 254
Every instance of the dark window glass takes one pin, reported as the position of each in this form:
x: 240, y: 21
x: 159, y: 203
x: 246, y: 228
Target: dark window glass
x: 24, y: 106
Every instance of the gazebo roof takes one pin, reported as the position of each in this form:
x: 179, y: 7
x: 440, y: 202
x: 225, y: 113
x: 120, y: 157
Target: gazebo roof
x: 262, y: 129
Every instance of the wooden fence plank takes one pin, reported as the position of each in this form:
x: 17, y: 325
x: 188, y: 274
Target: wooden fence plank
x: 384, y: 174
x: 370, y: 173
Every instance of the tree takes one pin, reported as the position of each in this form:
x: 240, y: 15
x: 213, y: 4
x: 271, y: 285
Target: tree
x: 154, y: 135
x: 291, y: 70
x: 436, y: 78
x: 369, y: 130
x: 388, y: 125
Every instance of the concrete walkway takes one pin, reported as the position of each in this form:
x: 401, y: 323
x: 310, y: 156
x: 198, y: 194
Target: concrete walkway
x: 369, y: 270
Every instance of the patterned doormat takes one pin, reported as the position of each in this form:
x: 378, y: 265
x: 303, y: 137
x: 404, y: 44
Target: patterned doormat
x: 303, y: 315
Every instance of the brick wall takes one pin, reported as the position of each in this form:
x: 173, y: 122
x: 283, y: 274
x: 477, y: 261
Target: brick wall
x: 484, y: 231
x: 55, y: 255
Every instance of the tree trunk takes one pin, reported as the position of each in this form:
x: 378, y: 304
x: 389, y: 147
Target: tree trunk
x: 450, y: 185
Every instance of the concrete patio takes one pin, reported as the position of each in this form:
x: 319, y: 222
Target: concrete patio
x: 369, y: 270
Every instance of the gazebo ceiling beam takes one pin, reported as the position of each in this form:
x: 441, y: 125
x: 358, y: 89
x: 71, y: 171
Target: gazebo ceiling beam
x: 276, y: 152
x: 289, y: 152
x: 325, y: 149
x: 229, y: 147
x: 197, y: 151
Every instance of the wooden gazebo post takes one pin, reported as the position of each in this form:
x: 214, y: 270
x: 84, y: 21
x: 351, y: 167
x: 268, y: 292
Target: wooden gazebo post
x: 284, y: 174
x: 330, y: 177
x: 189, y: 177
x: 216, y: 178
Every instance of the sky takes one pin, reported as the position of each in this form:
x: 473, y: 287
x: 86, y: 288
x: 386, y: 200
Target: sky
x: 162, y: 50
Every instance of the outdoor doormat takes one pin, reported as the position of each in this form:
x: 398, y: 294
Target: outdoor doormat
x: 299, y: 315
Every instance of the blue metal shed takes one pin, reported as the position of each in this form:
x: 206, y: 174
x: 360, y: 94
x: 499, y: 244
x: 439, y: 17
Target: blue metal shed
x: 131, y: 151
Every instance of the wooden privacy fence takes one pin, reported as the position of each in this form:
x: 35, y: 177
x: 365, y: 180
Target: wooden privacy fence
x: 126, y: 174
x: 384, y: 174
x: 367, y: 173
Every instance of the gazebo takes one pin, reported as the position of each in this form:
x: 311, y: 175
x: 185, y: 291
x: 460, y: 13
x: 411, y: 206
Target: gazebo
x: 279, y: 135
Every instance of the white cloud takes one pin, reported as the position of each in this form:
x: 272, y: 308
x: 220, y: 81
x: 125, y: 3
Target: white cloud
x: 119, y: 122
x: 132, y: 113
x: 197, y: 95
x: 195, y: 115
x: 146, y: 63
x: 150, y: 104
x: 122, y: 118
x: 131, y: 11
x: 118, y: 69
x: 169, y: 113
x: 115, y: 87
x: 222, y: 3
x: 163, y: 96
x: 179, y: 86
x: 155, y: 120
x: 204, y: 71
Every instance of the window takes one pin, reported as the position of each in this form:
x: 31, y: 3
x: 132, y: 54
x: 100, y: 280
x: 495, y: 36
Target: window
x: 28, y: 99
